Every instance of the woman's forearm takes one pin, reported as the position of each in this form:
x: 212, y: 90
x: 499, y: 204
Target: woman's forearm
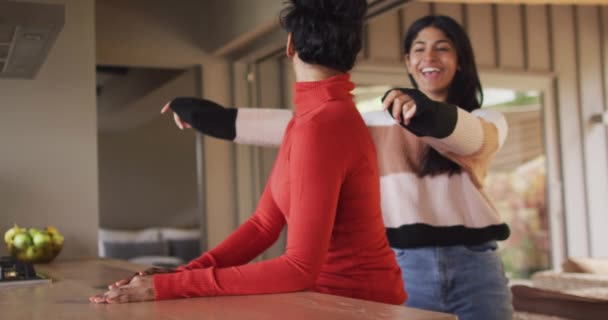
x: 250, y: 126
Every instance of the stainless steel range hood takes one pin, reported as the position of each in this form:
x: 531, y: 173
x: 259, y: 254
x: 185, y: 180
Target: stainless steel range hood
x: 27, y: 33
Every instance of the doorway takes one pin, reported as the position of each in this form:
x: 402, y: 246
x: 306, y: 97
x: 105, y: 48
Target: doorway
x: 148, y: 192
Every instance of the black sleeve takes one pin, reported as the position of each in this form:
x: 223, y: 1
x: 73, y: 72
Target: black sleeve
x: 432, y: 118
x: 206, y: 116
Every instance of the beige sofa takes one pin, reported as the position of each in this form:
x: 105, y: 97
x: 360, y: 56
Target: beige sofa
x: 578, y: 292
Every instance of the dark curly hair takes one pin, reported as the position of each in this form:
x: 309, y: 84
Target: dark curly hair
x: 465, y: 89
x: 326, y: 32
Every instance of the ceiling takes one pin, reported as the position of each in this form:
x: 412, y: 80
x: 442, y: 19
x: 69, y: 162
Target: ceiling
x: 577, y: 2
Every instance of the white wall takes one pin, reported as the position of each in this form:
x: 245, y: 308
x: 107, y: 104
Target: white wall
x: 48, y: 138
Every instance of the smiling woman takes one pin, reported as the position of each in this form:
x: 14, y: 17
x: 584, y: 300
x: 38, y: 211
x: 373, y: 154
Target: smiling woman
x: 453, y: 143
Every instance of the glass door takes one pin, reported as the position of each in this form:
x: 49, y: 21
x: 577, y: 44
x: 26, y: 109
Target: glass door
x: 516, y: 182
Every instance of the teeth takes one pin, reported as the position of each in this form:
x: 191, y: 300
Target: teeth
x: 430, y: 70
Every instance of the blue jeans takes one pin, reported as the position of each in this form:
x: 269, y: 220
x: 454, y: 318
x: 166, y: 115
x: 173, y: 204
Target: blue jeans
x: 468, y: 281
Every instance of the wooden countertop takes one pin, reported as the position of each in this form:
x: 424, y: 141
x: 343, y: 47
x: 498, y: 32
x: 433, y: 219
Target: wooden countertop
x: 74, y: 282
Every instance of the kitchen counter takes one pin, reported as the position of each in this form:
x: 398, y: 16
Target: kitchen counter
x: 73, y: 282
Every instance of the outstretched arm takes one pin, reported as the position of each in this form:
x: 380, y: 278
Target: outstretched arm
x: 251, y: 126
x: 469, y: 139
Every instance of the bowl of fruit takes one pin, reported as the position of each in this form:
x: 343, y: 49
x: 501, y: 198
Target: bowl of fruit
x: 33, y: 245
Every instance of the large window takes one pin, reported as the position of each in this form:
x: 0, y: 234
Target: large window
x: 516, y: 182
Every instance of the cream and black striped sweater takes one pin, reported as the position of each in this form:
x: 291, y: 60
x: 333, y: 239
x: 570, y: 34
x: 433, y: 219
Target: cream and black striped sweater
x: 439, y: 210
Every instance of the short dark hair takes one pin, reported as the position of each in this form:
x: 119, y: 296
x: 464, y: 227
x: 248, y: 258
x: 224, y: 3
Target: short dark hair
x: 326, y: 32
x: 465, y: 89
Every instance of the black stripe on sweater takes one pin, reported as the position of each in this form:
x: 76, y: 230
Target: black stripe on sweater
x: 423, y: 235
x: 206, y: 116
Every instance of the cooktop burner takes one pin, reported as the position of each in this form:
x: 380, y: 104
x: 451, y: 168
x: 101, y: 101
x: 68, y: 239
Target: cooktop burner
x: 13, y: 271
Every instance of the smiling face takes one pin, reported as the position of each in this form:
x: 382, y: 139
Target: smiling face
x: 432, y: 61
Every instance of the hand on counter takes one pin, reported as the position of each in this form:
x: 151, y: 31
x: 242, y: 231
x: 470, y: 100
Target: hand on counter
x: 139, y: 288
x: 147, y: 272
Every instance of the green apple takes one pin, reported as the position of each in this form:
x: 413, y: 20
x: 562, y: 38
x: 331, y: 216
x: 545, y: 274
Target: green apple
x: 41, y: 239
x: 10, y: 233
x: 31, y: 253
x: 22, y: 240
x: 57, y: 239
x: 33, y: 231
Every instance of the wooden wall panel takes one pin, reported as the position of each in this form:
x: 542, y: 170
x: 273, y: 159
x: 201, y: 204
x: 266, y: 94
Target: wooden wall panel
x: 564, y: 57
x: 218, y: 161
x: 604, y: 40
x: 269, y: 96
x: 480, y: 27
x: 289, y: 78
x: 410, y: 13
x: 537, y: 38
x: 270, y: 86
x: 384, y: 39
x: 511, y: 53
x: 594, y: 134
x: 453, y: 10
x: 246, y: 197
x: 257, y: 183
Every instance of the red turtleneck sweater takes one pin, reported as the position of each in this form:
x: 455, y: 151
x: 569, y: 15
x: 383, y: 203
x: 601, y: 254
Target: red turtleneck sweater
x: 325, y: 187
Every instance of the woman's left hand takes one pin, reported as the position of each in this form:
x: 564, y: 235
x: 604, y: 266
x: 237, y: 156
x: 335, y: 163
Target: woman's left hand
x: 178, y: 121
x: 403, y: 106
x: 141, y: 288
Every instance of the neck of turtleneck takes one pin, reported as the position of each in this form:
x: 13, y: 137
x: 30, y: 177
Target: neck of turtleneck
x: 311, y: 95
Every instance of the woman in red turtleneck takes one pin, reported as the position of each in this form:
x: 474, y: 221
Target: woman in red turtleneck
x: 324, y: 186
